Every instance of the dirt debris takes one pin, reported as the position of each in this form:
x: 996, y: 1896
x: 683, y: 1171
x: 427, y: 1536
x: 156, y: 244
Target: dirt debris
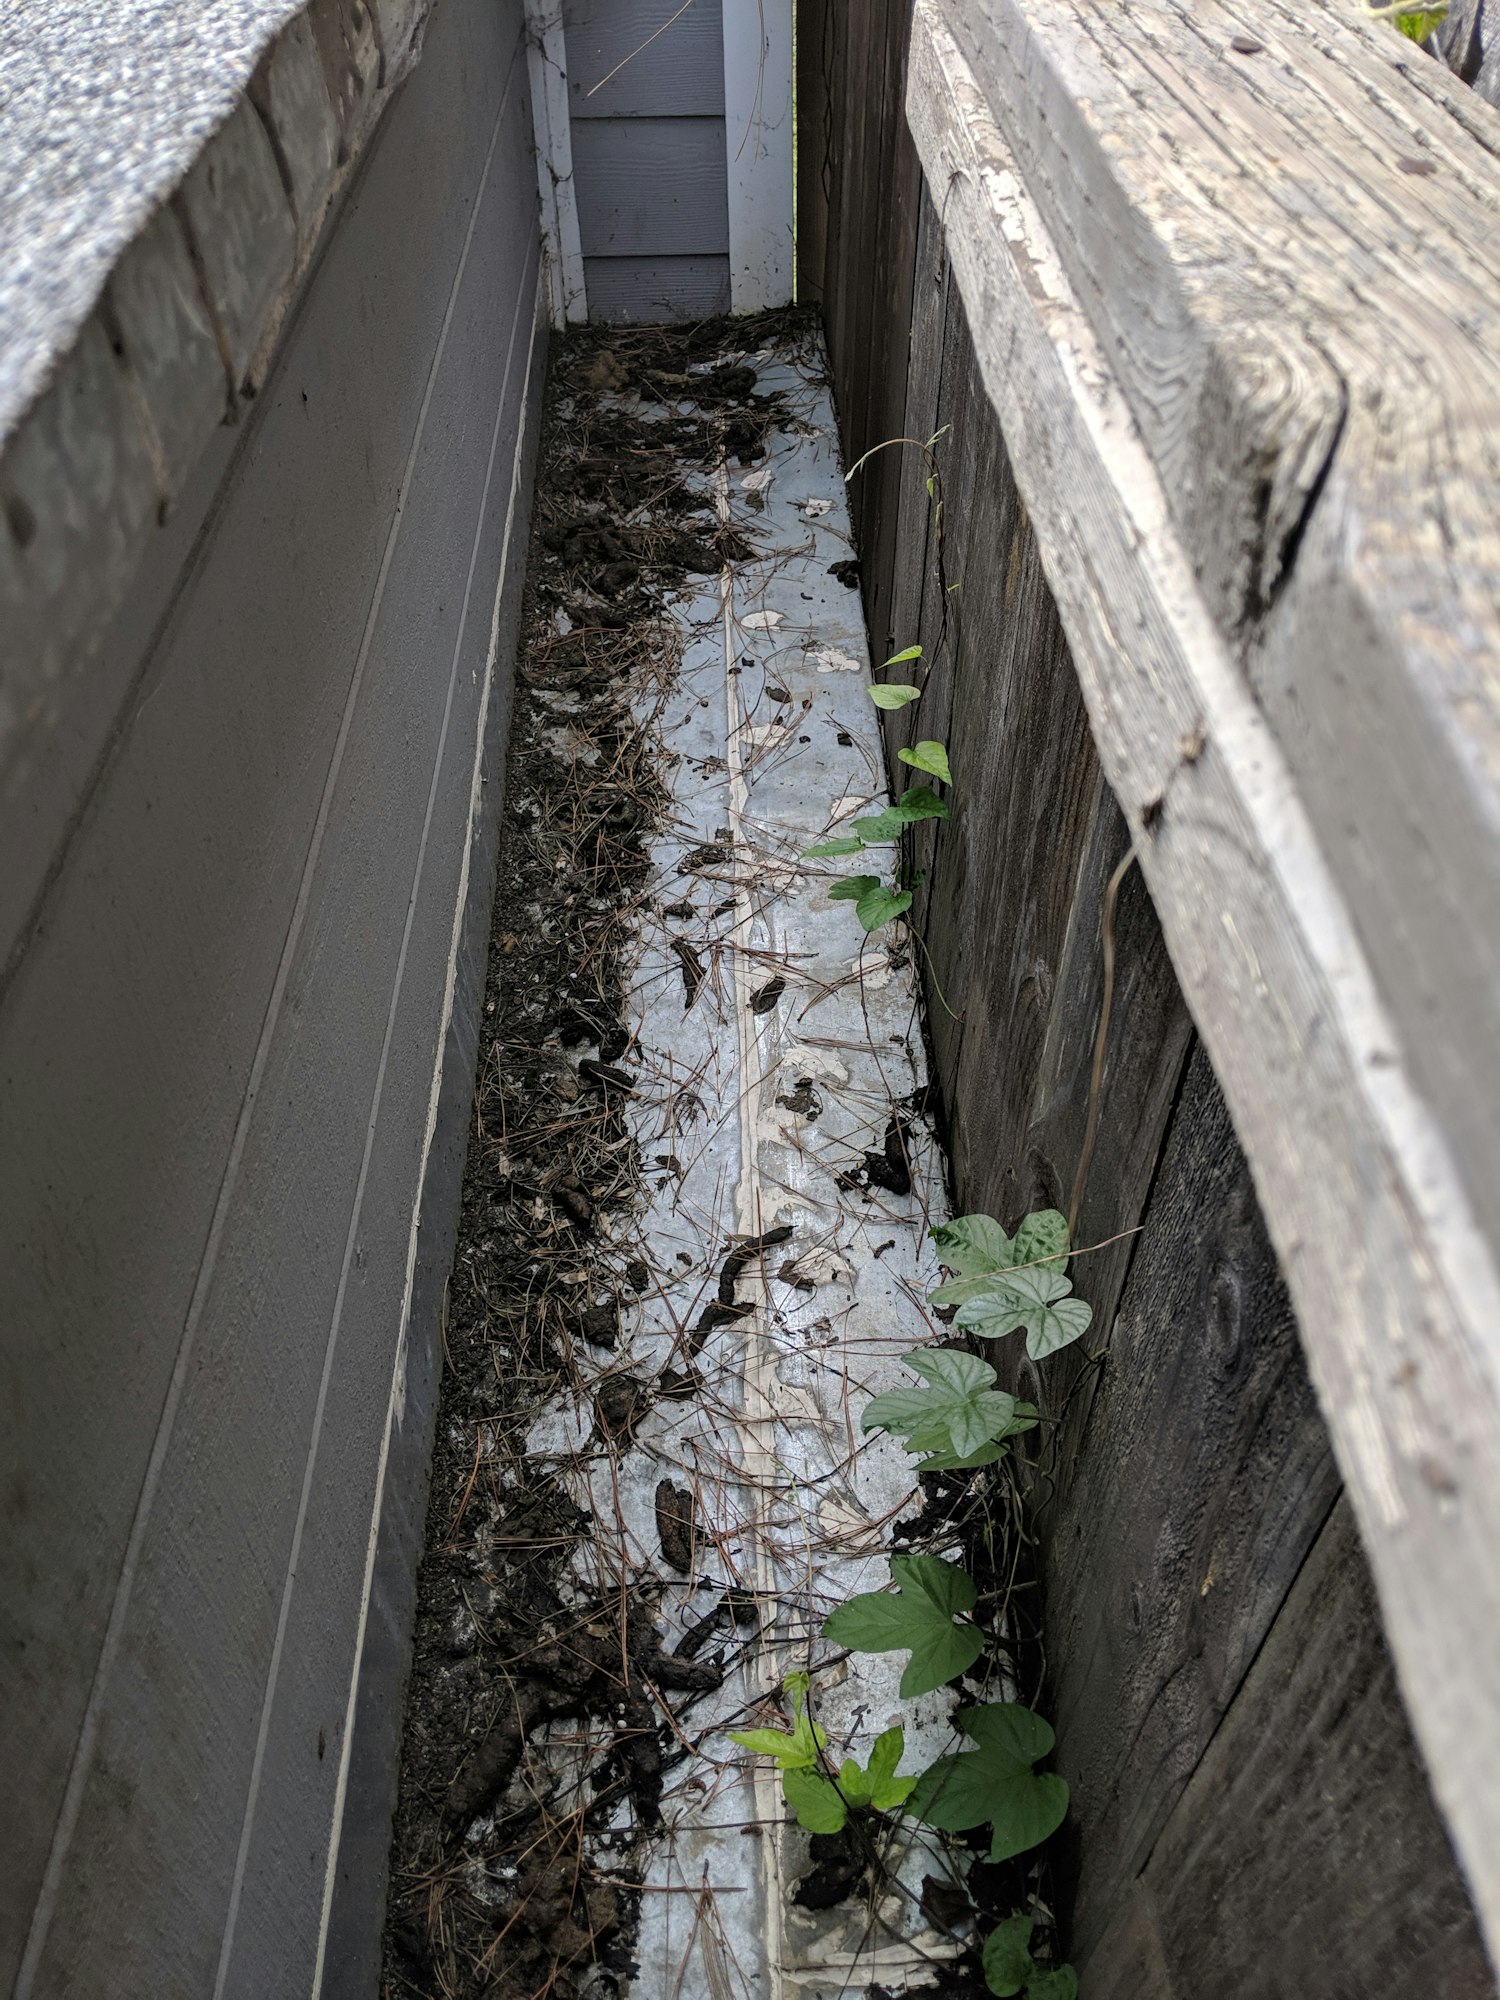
x: 497, y: 1889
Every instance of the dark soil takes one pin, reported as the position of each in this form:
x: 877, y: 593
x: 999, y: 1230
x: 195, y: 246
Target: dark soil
x: 497, y: 1886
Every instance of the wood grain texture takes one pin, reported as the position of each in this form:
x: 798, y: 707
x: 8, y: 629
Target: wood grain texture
x: 1393, y: 1279
x: 636, y: 60
x: 1342, y: 529
x: 1201, y: 1481
x: 651, y: 187
x: 1305, y: 1857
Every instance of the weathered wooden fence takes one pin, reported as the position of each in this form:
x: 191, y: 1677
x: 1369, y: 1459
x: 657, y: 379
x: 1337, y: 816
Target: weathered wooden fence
x: 1156, y: 498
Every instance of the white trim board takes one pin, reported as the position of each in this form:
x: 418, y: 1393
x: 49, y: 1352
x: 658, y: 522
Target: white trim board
x: 758, y: 140
x: 547, y: 64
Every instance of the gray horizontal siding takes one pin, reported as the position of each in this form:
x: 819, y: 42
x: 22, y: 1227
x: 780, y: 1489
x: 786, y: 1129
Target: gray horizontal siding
x: 217, y: 1058
x: 651, y: 187
x: 679, y: 73
x: 656, y: 288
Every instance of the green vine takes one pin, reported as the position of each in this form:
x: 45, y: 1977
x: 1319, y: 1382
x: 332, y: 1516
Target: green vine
x: 952, y: 1418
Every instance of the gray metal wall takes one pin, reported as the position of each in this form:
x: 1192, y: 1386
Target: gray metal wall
x: 649, y: 160
x: 234, y: 1050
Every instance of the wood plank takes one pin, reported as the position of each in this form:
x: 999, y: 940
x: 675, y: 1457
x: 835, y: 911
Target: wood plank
x: 1394, y: 1284
x: 1468, y: 40
x: 1186, y: 1510
x: 552, y: 132
x: 1149, y: 1037
x: 651, y: 187
x: 657, y: 288
x: 1318, y: 517
x: 814, y: 112
x: 644, y: 59
x: 890, y: 319
x: 1308, y: 1831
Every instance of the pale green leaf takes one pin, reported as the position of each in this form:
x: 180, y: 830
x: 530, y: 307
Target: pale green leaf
x: 815, y: 1800
x: 793, y: 1749
x: 917, y: 1616
x: 893, y: 694
x: 906, y: 653
x: 1036, y: 1299
x: 928, y: 755
x: 960, y: 1413
x: 970, y: 1244
x: 1008, y: 1963
x: 1042, y: 1235
x: 850, y: 844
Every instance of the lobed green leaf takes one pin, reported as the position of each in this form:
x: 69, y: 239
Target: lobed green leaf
x: 1036, y: 1299
x: 815, y: 1800
x: 917, y: 1616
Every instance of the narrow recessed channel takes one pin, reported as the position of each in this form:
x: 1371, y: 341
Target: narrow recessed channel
x: 694, y: 1237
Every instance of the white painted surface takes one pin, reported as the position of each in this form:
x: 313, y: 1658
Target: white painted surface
x: 547, y: 63
x: 758, y: 136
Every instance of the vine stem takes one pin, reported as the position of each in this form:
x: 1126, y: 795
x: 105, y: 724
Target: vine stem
x: 932, y: 969
x: 1101, y: 1040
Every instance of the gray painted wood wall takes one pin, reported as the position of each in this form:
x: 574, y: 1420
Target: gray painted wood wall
x: 1250, y: 1816
x: 649, y: 160
x: 236, y: 1040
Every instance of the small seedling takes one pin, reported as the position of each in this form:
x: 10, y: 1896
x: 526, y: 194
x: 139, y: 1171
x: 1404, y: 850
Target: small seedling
x: 995, y: 1783
x: 961, y: 1419
x: 919, y: 1615
x: 822, y: 1804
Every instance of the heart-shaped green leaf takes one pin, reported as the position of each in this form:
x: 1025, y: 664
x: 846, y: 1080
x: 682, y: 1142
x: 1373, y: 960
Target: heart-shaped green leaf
x: 928, y: 756
x: 918, y: 1615
x: 994, y: 1783
x: 880, y: 904
x: 959, y: 1415
x: 893, y: 694
x: 815, y: 1800
x: 1036, y: 1299
x: 1008, y: 1963
x: 851, y: 887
